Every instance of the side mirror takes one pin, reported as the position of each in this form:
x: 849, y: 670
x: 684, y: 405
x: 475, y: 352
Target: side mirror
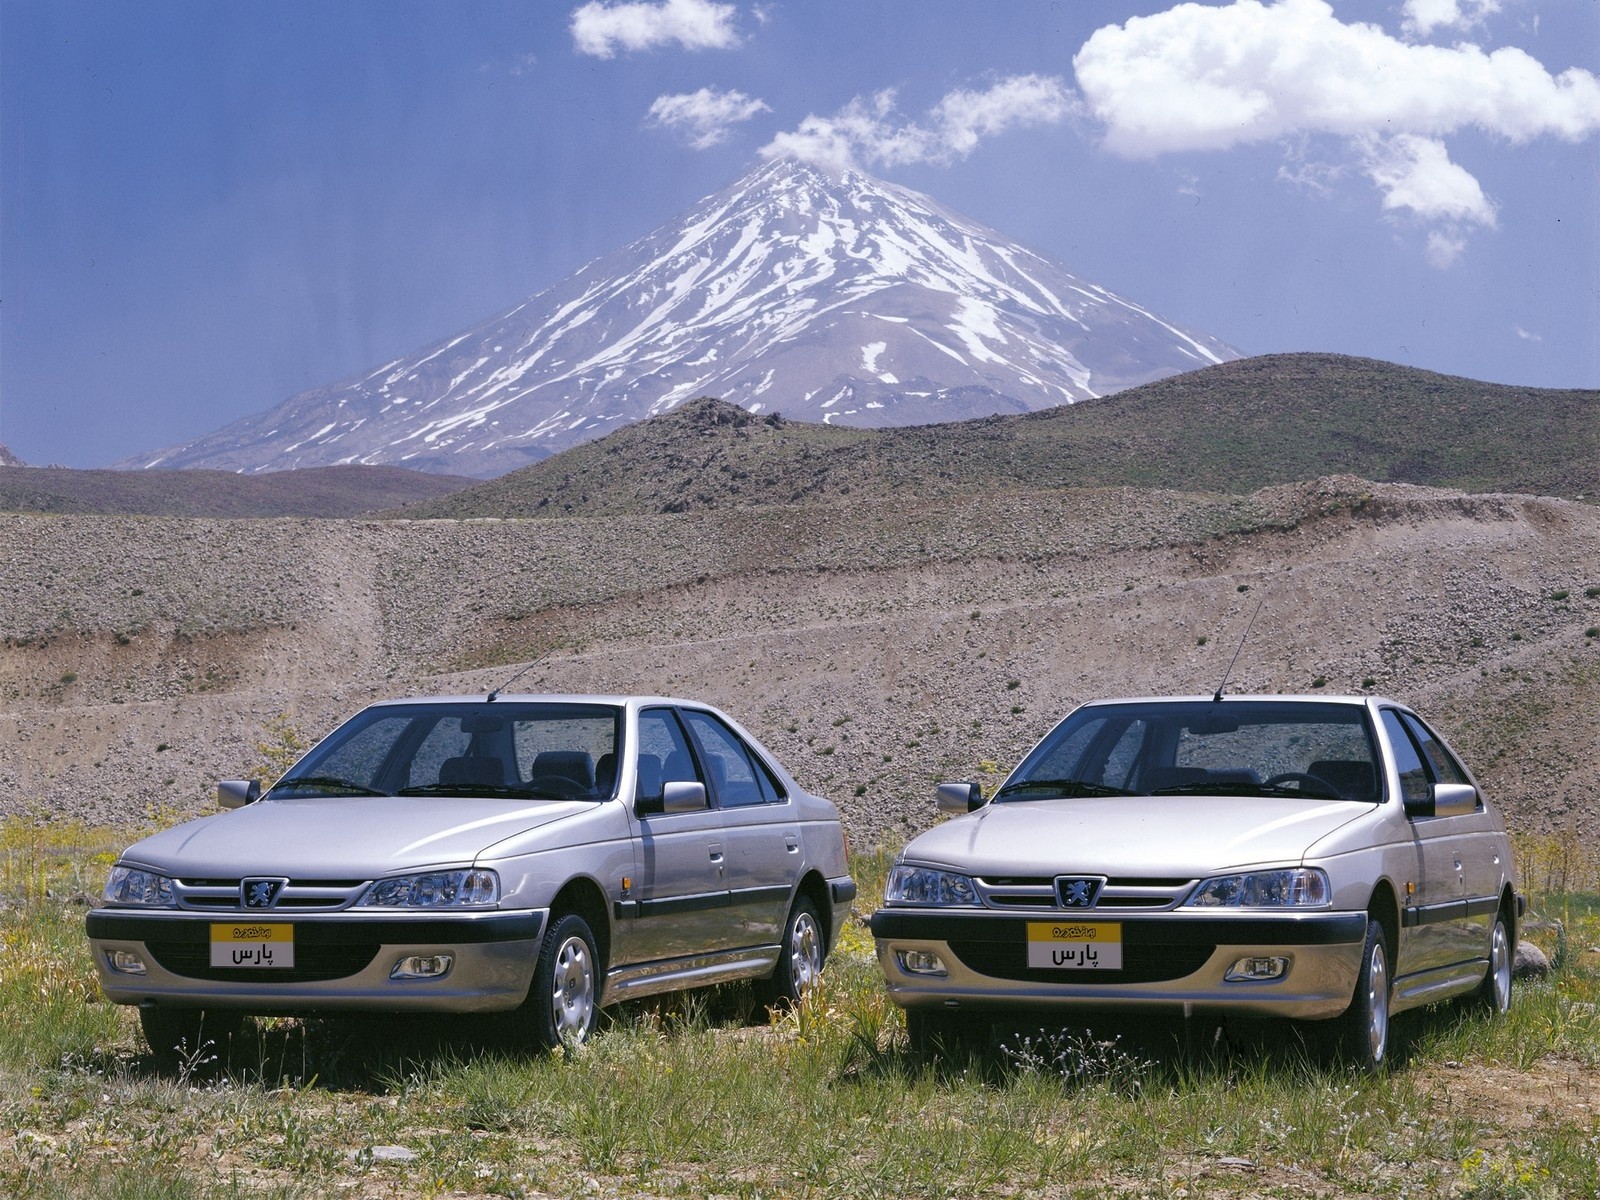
x: 236, y: 793
x: 683, y: 797
x: 1455, y: 799
x: 959, y: 797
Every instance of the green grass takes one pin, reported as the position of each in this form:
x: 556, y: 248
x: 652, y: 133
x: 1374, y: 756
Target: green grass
x: 687, y: 1098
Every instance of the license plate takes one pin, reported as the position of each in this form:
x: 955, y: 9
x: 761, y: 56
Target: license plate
x: 252, y: 945
x: 1075, y: 945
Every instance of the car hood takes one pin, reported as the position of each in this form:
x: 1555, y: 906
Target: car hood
x: 1145, y: 836
x: 342, y: 837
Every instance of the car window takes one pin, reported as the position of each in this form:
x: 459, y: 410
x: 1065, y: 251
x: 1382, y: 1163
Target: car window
x: 736, y: 779
x: 664, y: 755
x: 361, y: 756
x: 1234, y: 747
x: 542, y: 751
x: 1445, y: 768
x: 1415, y: 786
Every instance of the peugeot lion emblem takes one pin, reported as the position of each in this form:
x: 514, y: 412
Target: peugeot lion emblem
x: 1078, y: 891
x: 260, y: 893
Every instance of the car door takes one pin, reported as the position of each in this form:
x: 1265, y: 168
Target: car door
x: 759, y: 828
x: 1474, y: 846
x: 1435, y: 916
x: 681, y: 897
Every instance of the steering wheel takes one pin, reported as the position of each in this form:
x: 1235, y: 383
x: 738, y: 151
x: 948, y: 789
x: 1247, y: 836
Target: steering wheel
x: 562, y: 784
x: 1306, y: 781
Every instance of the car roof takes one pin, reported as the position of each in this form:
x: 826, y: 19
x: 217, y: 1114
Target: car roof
x: 615, y: 700
x: 1233, y: 697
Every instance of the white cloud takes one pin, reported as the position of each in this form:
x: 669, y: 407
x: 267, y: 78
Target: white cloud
x: 603, y: 29
x: 1422, y: 17
x: 1416, y: 174
x: 1211, y: 78
x: 870, y: 131
x: 705, y: 117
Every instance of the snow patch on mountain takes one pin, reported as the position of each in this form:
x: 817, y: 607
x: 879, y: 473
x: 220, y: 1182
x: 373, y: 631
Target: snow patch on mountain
x: 826, y: 298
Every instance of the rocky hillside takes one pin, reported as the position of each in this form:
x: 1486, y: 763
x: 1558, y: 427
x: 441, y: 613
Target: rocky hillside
x: 876, y: 646
x: 1230, y: 428
x: 344, y: 491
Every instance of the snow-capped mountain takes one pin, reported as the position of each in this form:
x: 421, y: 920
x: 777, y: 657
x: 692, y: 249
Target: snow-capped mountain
x: 842, y: 299
x: 8, y: 459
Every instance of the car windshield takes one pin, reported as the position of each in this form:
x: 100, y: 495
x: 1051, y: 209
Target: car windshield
x: 1203, y: 748
x: 548, y: 751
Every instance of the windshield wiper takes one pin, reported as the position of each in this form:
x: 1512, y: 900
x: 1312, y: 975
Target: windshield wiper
x: 329, y: 782
x: 1065, y: 788
x: 495, y: 790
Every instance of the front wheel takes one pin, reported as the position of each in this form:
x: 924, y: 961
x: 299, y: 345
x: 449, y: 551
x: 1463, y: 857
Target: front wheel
x: 1494, y: 993
x: 564, y: 1002
x: 1361, y: 1035
x: 799, y: 958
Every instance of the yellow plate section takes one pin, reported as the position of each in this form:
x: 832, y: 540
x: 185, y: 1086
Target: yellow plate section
x: 252, y: 944
x: 1075, y: 945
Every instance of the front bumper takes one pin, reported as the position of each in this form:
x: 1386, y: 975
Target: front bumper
x: 1171, y: 961
x: 342, y: 962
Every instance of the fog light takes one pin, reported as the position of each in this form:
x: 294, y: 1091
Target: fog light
x: 423, y: 966
x: 125, y: 962
x: 1257, y: 968
x: 921, y: 962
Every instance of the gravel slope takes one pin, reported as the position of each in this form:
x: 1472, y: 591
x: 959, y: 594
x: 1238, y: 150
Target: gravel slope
x: 877, y: 647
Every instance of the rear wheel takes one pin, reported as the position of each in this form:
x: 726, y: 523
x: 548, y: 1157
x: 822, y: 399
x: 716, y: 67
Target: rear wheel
x: 1361, y: 1035
x: 1494, y: 993
x: 564, y: 1002
x: 799, y: 958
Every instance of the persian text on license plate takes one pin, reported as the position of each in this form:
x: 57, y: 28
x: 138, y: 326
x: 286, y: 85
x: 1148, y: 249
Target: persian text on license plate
x: 1075, y: 945
x: 252, y: 944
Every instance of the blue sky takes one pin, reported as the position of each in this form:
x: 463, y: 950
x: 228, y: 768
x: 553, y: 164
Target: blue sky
x: 207, y: 207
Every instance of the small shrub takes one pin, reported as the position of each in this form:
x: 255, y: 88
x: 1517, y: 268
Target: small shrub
x: 1559, y: 594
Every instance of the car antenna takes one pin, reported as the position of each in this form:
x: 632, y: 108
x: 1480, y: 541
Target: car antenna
x: 1217, y: 698
x: 494, y: 695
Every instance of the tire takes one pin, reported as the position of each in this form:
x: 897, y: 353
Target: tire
x: 1494, y: 993
x: 564, y: 1001
x: 1361, y: 1035
x: 190, y: 1038
x: 800, y: 957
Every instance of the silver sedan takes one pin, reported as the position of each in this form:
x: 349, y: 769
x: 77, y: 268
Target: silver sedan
x: 1327, y: 859
x: 543, y: 854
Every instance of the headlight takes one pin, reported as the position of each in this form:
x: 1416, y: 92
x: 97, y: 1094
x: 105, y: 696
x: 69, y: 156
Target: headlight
x: 1300, y: 887
x: 130, y: 885
x: 476, y: 888
x: 924, y: 885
